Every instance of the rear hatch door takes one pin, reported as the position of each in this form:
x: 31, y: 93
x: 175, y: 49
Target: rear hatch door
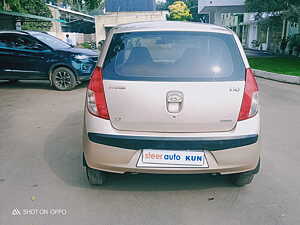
x: 173, y: 82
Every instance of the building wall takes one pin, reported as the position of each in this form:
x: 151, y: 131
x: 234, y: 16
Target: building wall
x: 77, y: 38
x: 204, y: 3
x: 77, y: 22
x: 217, y: 18
x: 252, y: 34
x: 248, y: 28
x: 56, y: 26
x: 228, y: 20
x: 104, y: 22
x: 56, y: 30
x: 129, y: 5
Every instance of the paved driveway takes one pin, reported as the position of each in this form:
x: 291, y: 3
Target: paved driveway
x: 41, y: 175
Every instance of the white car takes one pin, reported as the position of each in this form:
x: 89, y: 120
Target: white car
x: 172, y: 98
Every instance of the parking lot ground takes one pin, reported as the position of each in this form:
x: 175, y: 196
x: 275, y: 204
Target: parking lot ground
x: 42, y: 181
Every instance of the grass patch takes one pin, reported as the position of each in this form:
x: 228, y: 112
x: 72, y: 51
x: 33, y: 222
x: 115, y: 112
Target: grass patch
x: 283, y: 65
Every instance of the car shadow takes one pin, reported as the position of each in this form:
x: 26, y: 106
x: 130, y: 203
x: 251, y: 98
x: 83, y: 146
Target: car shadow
x: 158, y: 182
x: 63, y: 153
x: 36, y: 84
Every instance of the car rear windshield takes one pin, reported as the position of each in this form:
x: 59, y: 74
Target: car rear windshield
x: 173, y: 56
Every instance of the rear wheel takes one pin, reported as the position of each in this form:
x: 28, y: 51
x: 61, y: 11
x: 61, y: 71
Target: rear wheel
x: 242, y: 179
x: 13, y: 81
x: 63, y: 79
x: 95, y: 177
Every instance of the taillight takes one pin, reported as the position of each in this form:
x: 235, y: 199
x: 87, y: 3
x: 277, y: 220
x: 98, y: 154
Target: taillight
x: 96, y: 102
x: 249, y: 107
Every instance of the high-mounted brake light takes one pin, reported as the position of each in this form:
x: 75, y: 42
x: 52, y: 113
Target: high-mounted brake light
x: 249, y: 107
x: 96, y: 102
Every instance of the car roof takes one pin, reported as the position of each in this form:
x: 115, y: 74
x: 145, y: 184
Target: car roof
x: 12, y: 32
x: 170, y: 26
x: 19, y: 32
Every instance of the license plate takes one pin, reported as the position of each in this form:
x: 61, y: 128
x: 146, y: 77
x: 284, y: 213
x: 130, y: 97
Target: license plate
x: 174, y: 158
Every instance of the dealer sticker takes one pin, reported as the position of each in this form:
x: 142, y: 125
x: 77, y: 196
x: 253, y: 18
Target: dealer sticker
x: 187, y: 158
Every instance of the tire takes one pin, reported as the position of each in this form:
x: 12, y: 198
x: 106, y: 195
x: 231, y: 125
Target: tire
x: 13, y: 81
x: 63, y: 79
x: 242, y: 179
x: 95, y: 177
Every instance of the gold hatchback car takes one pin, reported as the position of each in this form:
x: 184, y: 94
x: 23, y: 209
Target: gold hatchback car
x: 172, y: 98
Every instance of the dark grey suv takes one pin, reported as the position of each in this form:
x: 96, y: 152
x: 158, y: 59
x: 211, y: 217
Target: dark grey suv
x: 30, y: 55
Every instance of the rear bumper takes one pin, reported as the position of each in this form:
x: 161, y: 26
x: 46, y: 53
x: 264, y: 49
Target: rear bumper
x: 116, y: 151
x: 125, y: 160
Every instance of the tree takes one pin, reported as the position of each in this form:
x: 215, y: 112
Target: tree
x: 14, y: 5
x: 35, y: 7
x: 287, y: 9
x: 191, y: 4
x: 39, y: 8
x: 81, y: 5
x: 179, y: 11
x: 93, y: 4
